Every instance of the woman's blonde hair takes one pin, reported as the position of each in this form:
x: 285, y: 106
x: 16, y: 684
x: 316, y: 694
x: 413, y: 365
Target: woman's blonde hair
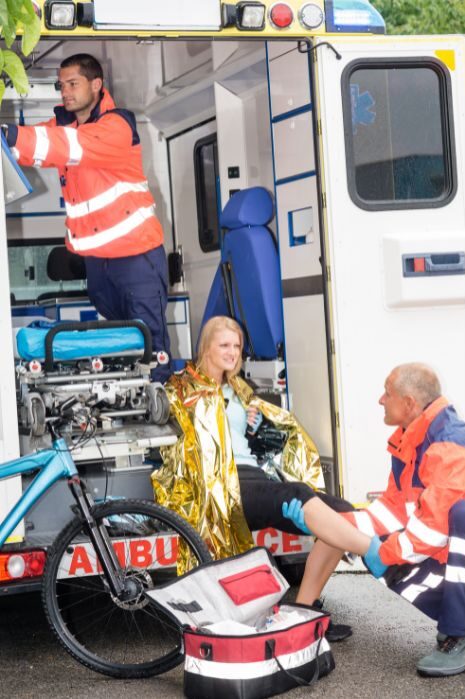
x: 211, y: 327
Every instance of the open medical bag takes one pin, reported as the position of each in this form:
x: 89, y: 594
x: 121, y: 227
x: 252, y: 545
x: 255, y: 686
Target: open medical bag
x: 239, y: 641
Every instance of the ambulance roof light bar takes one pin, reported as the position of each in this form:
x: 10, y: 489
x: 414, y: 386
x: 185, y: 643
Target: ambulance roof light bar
x: 353, y: 16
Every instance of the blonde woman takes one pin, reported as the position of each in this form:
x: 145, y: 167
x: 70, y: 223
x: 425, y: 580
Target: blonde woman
x: 212, y: 478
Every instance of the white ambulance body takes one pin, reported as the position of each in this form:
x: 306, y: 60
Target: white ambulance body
x: 361, y: 140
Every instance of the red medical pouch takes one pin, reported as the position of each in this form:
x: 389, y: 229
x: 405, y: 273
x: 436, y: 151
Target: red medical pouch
x: 240, y: 641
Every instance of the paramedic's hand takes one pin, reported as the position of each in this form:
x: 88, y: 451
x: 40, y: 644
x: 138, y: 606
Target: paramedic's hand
x: 254, y: 420
x: 295, y: 512
x: 373, y: 560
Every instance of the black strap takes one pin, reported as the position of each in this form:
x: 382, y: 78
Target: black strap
x: 299, y: 681
x: 241, y: 309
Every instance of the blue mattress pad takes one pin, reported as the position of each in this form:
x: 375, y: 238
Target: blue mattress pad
x: 68, y: 345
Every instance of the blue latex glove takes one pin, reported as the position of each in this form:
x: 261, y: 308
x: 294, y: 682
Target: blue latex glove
x: 373, y: 560
x: 253, y: 427
x: 295, y: 512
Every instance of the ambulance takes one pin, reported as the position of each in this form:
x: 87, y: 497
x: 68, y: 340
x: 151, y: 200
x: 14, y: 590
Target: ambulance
x: 358, y: 136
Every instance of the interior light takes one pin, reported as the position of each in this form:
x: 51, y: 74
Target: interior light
x: 60, y: 14
x: 281, y: 15
x: 250, y: 15
x: 311, y: 16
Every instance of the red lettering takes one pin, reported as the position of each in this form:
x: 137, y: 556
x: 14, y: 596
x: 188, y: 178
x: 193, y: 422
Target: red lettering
x: 80, y: 562
x: 160, y: 551
x: 291, y: 543
x: 140, y: 553
x: 265, y: 537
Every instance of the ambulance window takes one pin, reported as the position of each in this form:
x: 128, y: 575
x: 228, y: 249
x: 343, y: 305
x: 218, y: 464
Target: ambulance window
x: 28, y: 268
x: 206, y: 178
x: 398, y: 126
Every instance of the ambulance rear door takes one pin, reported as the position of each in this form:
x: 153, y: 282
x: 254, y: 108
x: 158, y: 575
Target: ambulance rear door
x: 392, y: 147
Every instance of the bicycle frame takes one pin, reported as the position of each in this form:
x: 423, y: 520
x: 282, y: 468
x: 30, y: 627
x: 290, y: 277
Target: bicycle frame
x: 56, y: 464
x: 53, y: 464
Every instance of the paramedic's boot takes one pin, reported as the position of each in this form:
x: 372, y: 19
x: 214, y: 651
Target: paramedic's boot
x: 447, y: 659
x: 335, y: 632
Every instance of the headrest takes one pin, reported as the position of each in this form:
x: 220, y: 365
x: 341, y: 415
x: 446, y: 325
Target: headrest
x: 65, y: 266
x: 249, y: 207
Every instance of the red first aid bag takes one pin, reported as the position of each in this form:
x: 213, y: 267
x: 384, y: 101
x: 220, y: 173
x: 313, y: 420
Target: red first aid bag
x: 240, y: 641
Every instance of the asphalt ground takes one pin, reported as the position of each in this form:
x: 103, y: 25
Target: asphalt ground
x: 378, y: 661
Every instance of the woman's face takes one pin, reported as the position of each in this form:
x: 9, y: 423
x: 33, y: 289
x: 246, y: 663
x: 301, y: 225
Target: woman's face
x: 223, y: 353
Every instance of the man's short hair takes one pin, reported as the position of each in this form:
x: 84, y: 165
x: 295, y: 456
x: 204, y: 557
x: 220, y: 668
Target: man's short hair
x: 89, y: 67
x: 418, y: 380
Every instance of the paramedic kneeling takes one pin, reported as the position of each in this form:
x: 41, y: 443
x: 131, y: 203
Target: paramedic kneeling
x: 420, y: 518
x: 110, y: 211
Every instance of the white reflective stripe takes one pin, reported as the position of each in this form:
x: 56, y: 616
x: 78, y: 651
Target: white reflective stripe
x: 412, y: 591
x: 407, y: 551
x: 432, y: 580
x: 410, y: 508
x: 105, y: 198
x: 16, y: 153
x: 456, y: 545
x: 455, y: 574
x: 42, y: 145
x: 429, y: 536
x: 386, y: 517
x: 104, y: 237
x: 249, y: 671
x: 413, y: 572
x: 363, y: 523
x: 75, y: 148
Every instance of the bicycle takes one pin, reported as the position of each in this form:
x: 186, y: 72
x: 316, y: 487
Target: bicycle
x: 100, y: 566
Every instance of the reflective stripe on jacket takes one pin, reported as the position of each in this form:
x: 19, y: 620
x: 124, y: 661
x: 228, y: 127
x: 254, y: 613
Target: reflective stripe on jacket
x: 110, y: 210
x: 427, y: 478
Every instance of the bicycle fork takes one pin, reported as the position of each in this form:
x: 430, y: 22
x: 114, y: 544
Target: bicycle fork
x: 120, y: 587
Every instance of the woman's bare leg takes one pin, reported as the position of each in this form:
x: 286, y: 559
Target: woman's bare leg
x: 333, y: 529
x: 321, y: 563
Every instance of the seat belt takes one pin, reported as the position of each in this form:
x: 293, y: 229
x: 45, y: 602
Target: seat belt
x: 234, y: 287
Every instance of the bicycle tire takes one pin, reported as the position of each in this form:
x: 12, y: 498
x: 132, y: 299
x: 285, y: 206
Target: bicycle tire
x: 120, y: 639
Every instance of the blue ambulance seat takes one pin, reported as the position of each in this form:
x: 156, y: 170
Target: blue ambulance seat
x: 250, y: 249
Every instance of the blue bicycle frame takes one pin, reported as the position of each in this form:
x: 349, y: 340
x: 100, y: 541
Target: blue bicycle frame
x: 53, y: 464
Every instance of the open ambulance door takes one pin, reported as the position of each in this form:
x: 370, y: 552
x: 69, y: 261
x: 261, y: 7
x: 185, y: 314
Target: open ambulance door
x: 392, y: 148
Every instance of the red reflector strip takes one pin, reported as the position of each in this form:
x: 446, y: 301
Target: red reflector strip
x: 419, y: 264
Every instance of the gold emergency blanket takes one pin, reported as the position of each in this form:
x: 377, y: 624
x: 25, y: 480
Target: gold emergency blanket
x: 199, y: 479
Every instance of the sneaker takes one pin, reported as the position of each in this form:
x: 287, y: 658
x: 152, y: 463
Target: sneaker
x: 334, y: 632
x: 447, y: 659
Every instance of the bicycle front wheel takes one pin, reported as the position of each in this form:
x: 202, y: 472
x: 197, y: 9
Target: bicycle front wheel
x: 126, y: 639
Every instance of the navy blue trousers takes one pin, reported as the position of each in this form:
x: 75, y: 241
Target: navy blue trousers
x: 438, y: 589
x: 134, y: 288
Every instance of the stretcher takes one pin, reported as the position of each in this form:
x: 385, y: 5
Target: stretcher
x: 95, y: 377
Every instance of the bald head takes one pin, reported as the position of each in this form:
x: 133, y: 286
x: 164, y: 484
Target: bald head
x: 408, y: 389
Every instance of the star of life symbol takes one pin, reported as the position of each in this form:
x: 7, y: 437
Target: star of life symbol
x: 362, y: 104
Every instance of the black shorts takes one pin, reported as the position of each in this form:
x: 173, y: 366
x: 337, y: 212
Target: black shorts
x: 262, y: 499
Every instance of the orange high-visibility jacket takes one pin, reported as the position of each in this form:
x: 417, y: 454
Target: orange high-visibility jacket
x: 426, y: 480
x: 110, y: 211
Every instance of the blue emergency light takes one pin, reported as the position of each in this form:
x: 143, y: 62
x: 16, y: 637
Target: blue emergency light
x: 353, y: 16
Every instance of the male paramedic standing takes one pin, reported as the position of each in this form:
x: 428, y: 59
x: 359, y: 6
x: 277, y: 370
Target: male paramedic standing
x: 110, y: 211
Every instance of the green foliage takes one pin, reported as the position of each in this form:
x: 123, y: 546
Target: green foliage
x: 423, y: 16
x: 17, y: 15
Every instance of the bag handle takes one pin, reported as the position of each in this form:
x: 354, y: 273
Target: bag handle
x: 300, y: 681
